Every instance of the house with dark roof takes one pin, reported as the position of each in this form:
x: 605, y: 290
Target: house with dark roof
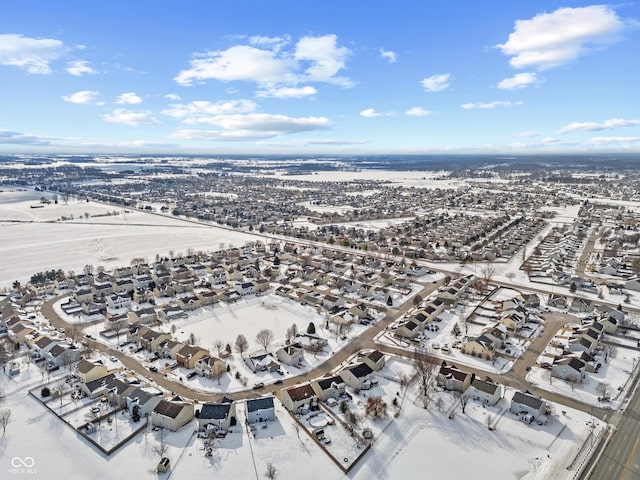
x: 357, y: 376
x: 453, y: 379
x: 408, y: 329
x: 485, y: 391
x: 260, y: 409
x: 329, y: 387
x: 172, y: 414
x: 571, y: 369
x: 375, y: 359
x: 144, y: 400
x: 220, y: 415
x: 525, y: 402
x: 298, y: 398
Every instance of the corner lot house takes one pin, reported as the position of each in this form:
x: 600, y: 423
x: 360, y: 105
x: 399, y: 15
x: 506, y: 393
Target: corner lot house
x: 524, y: 402
x: 357, y: 376
x: 260, y: 409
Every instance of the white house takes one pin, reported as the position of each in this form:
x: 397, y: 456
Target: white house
x: 298, y: 397
x: 260, y: 409
x: 524, y: 402
x: 220, y: 415
x: 357, y: 376
x: 485, y: 391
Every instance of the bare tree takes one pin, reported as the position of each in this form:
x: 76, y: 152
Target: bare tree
x: 5, y: 353
x: 573, y: 382
x: 5, y: 419
x: 603, y: 390
x: 487, y: 273
x: 218, y: 345
x: 463, y: 399
x: 272, y: 472
x: 241, y: 344
x: 161, y: 448
x: 73, y: 333
x: 218, y: 370
x: 264, y: 338
x: 376, y: 408
x: 173, y: 329
x: 426, y: 367
x: 192, y: 339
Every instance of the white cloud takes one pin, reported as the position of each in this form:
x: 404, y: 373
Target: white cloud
x: 326, y: 57
x: 79, y: 68
x: 195, y: 112
x: 253, y: 126
x: 613, y: 140
x: 593, y: 126
x: 241, y: 62
x: 32, y: 54
x: 436, y: 83
x: 172, y: 96
x: 549, y: 141
x: 304, y: 142
x: 129, y: 117
x: 519, y: 80
x: 528, y: 134
x: 389, y: 55
x: 370, y: 113
x: 490, y: 105
x: 8, y: 137
x: 84, y: 96
x: 418, y: 112
x: 264, y: 63
x: 129, y: 98
x: 552, y: 39
x: 286, y: 92
x: 272, y: 43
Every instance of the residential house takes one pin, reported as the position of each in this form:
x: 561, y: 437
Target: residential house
x: 290, y: 354
x: 88, y: 371
x: 485, y: 391
x: 357, y: 376
x: 172, y: 414
x: 298, y: 398
x: 209, y: 364
x: 525, y: 402
x: 260, y: 409
x: 117, y: 301
x: 143, y: 316
x: 329, y: 387
x: 221, y: 415
x: 581, y: 305
x: 481, y: 346
x: 260, y: 362
x: 571, y: 369
x: 453, y: 379
x: 408, y: 329
x: 143, y: 400
x: 152, y: 339
x: 375, y: 359
x: 189, y: 355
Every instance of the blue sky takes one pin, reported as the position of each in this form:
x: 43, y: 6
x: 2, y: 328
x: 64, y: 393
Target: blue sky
x: 329, y: 77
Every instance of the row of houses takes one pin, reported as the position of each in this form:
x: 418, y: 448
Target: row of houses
x: 358, y: 376
x: 489, y: 392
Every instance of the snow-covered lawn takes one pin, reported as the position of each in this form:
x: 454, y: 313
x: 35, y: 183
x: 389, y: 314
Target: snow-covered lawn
x: 614, y: 373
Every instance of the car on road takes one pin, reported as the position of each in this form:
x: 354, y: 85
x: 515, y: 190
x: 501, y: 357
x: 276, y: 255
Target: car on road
x: 278, y: 382
x: 258, y: 385
x: 153, y: 369
x: 95, y: 410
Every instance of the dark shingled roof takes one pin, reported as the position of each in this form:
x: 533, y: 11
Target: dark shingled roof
x: 169, y: 409
x: 326, y: 383
x: 526, y: 399
x: 360, y: 370
x: 301, y: 392
x: 255, y: 404
x: 215, y: 411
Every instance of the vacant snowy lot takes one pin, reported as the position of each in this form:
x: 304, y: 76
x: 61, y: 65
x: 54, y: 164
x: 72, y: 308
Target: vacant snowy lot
x: 44, y: 243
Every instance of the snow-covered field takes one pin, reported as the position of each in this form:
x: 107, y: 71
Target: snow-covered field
x: 110, y: 241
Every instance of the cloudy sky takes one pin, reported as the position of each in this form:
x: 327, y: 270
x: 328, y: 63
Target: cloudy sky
x: 284, y: 76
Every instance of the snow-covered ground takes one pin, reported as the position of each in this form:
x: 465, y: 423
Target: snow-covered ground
x: 110, y: 241
x: 415, y: 441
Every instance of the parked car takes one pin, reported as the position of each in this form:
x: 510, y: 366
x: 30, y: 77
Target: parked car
x: 153, y: 369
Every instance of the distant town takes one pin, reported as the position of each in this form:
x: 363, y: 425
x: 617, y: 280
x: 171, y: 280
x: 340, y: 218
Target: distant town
x: 198, y: 316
